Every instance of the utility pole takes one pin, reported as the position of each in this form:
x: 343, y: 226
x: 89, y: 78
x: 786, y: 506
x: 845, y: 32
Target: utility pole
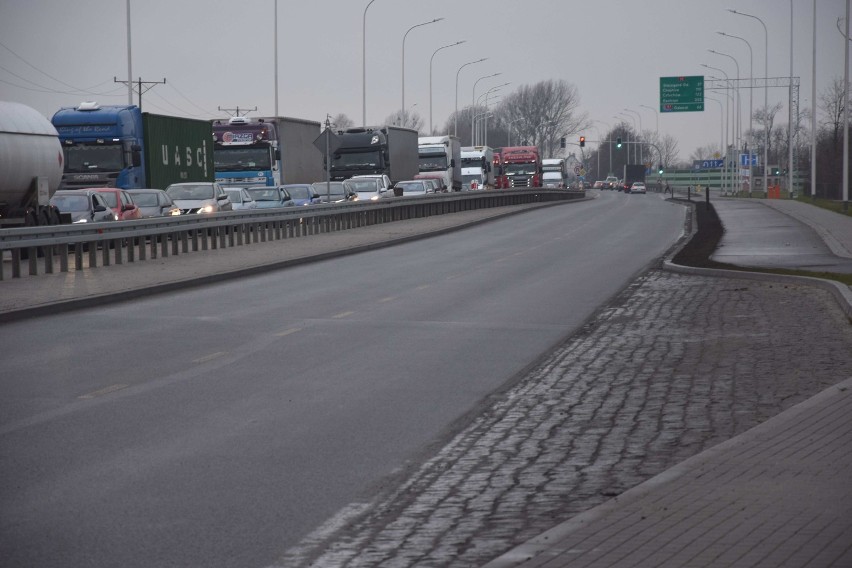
x: 141, y: 86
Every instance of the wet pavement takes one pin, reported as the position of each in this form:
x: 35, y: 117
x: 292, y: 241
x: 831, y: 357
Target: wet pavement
x: 701, y: 418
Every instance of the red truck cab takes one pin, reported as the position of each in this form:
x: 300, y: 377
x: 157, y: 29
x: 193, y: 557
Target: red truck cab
x: 522, y: 166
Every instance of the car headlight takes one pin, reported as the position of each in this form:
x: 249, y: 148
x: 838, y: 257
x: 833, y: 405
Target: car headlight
x: 206, y: 209
x: 81, y: 221
x: 115, y: 215
x: 174, y: 212
x: 374, y: 198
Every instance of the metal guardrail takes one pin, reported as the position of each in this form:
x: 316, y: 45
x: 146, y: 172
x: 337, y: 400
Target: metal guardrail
x: 85, y: 245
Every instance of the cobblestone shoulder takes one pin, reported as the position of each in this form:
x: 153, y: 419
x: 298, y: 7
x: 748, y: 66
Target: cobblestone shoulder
x: 674, y: 365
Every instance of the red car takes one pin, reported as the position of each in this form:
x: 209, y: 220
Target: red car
x: 121, y: 202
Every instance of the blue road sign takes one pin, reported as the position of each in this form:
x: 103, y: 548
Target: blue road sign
x: 708, y: 164
x: 747, y: 160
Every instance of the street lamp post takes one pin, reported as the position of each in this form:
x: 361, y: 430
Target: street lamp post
x: 485, y: 95
x: 403, y: 57
x: 737, y: 125
x: 733, y: 130
x: 473, y: 100
x: 364, y: 65
x: 656, y: 116
x: 751, y: 82
x: 430, y: 77
x: 641, y: 150
x: 765, y: 97
x: 623, y: 116
x: 723, y: 124
x: 456, y: 115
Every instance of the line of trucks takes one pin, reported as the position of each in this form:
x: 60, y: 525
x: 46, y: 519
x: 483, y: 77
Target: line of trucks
x: 90, y: 145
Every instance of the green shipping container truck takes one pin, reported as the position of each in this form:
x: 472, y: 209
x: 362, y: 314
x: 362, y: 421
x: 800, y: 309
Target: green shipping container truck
x: 176, y: 150
x: 120, y: 146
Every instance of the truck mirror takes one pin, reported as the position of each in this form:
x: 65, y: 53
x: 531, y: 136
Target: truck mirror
x: 453, y: 163
x: 136, y: 156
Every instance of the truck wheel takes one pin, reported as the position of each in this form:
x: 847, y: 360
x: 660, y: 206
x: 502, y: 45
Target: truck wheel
x: 53, y: 216
x: 42, y: 218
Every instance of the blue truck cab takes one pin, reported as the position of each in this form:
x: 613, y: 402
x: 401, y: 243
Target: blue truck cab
x: 103, y: 146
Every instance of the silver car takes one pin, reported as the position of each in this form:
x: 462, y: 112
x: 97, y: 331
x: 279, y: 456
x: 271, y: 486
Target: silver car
x: 154, y: 202
x: 240, y: 198
x: 199, y: 197
x: 268, y: 197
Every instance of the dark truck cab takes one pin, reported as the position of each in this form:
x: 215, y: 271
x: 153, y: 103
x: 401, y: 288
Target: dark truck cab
x: 388, y: 150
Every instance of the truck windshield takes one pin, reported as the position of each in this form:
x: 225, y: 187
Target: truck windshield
x: 91, y: 158
x: 520, y: 169
x: 238, y: 159
x: 471, y: 162
x: 433, y: 163
x: 356, y: 160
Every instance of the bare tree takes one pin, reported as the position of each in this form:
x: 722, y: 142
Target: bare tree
x: 541, y: 114
x: 765, y: 117
x: 708, y: 152
x: 406, y: 119
x: 341, y: 122
x: 831, y: 105
x: 668, y: 145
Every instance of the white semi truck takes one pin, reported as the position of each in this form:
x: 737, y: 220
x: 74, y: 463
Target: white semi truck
x: 440, y: 156
x: 477, y: 167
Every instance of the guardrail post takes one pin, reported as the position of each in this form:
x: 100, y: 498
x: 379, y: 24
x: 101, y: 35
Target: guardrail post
x: 48, y: 259
x: 93, y: 254
x: 184, y: 242
x: 174, y: 240
x: 78, y: 256
x: 119, y: 252
x: 32, y: 256
x: 164, y: 245
x: 16, y: 263
x: 105, y: 252
x: 131, y: 248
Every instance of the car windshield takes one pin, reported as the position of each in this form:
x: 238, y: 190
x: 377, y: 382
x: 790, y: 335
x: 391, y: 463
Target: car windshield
x: 190, y: 191
x: 299, y: 191
x: 69, y: 203
x: 264, y: 194
x: 520, y: 169
x: 101, y: 158
x: 145, y: 199
x: 335, y: 187
x: 411, y: 185
x: 433, y: 162
x: 110, y: 197
x: 363, y: 185
x: 355, y: 160
x: 235, y: 159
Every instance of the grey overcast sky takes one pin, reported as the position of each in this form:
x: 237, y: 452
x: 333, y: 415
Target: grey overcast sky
x: 220, y: 53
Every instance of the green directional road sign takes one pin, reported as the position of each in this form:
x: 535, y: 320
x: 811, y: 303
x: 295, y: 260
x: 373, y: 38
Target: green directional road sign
x: 682, y: 94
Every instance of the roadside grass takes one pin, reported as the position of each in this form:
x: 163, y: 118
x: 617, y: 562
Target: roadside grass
x: 831, y: 205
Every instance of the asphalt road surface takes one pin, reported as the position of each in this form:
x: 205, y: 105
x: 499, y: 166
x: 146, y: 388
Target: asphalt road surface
x: 219, y: 426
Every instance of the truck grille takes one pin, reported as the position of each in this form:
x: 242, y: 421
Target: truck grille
x: 520, y: 182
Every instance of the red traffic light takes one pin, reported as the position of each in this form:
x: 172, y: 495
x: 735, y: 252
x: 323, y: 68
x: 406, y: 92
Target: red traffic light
x: 582, y: 141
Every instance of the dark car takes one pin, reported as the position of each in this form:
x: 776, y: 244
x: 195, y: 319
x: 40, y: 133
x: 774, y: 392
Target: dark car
x: 83, y: 205
x: 334, y: 191
x: 154, y: 202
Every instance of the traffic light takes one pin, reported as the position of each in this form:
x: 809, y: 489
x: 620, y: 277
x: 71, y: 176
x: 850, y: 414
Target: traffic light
x: 660, y: 170
x: 562, y: 142
x: 582, y: 141
x: 618, y: 142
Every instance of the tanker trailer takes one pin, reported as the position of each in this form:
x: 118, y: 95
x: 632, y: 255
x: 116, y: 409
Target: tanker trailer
x: 30, y: 167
